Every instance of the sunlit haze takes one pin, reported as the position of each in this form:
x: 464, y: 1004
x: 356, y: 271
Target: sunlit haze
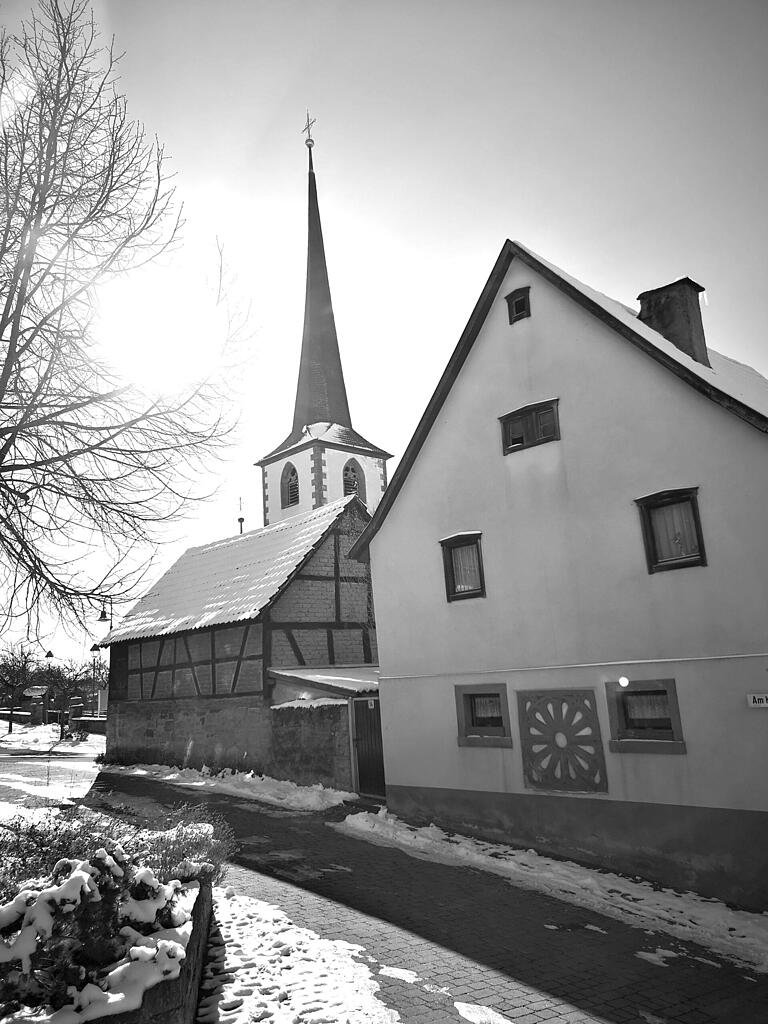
x: 623, y: 141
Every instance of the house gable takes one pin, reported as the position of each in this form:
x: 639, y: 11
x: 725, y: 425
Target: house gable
x: 743, y: 394
x: 562, y: 545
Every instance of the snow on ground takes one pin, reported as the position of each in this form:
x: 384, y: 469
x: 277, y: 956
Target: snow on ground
x: 279, y: 792
x: 56, y: 784
x: 37, y: 738
x: 270, y: 970
x: 735, y: 934
x: 9, y: 810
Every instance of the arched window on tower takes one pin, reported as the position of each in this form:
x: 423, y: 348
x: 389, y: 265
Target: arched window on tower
x: 354, y: 479
x: 289, y: 486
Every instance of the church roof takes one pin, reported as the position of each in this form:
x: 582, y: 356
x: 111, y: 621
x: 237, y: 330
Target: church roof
x: 321, y: 396
x: 230, y: 580
x: 737, y: 387
x: 331, y: 435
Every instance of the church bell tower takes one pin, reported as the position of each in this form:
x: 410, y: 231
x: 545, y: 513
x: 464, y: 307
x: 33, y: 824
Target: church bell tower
x: 323, y: 458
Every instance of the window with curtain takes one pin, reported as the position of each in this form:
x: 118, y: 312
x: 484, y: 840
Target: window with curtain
x: 672, y: 530
x: 482, y: 715
x: 644, y: 716
x: 463, y: 566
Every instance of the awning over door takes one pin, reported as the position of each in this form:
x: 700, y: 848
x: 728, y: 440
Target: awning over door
x: 341, y: 681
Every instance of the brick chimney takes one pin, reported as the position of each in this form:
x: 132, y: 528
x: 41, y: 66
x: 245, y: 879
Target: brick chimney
x: 673, y: 310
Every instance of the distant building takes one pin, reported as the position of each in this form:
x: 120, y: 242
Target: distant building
x: 570, y: 571
x: 200, y: 665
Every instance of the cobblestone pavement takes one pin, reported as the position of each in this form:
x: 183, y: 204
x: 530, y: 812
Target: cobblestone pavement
x: 467, y: 936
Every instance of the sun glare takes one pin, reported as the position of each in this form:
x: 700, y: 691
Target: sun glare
x: 159, y: 328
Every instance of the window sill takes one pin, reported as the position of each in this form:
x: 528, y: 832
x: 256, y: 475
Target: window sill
x: 510, y: 449
x: 682, y: 563
x: 647, y: 746
x: 484, y: 741
x: 466, y: 596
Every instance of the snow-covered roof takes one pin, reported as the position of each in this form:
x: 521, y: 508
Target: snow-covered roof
x: 334, y: 435
x: 733, y: 379
x: 230, y: 580
x: 349, y: 679
x: 737, y: 387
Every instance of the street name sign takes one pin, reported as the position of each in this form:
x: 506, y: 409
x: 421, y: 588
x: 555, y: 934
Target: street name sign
x: 757, y: 700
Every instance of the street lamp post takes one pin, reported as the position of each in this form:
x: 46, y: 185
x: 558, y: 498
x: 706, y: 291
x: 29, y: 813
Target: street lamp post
x: 48, y: 656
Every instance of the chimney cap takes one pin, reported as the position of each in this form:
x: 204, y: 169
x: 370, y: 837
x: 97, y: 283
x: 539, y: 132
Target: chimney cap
x: 668, y: 287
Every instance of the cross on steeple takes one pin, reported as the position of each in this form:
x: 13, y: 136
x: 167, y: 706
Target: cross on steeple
x: 308, y: 129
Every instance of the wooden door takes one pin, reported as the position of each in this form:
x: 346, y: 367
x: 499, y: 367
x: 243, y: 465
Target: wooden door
x: 368, y: 746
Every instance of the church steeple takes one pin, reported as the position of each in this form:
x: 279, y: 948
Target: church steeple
x: 321, y: 396
x: 323, y: 458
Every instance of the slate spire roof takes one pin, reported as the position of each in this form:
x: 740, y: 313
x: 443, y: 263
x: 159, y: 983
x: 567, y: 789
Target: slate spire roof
x: 321, y: 395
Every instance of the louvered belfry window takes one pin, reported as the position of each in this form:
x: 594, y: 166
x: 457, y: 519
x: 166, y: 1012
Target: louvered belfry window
x: 289, y: 486
x: 354, y: 479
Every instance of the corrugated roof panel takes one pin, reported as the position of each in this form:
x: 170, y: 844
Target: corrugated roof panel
x: 229, y: 580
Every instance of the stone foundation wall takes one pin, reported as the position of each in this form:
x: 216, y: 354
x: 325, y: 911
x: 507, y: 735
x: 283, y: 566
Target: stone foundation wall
x: 231, y: 732
x: 311, y: 745
x: 306, y: 745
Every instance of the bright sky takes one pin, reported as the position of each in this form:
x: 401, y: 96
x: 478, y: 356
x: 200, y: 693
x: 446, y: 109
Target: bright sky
x: 624, y: 141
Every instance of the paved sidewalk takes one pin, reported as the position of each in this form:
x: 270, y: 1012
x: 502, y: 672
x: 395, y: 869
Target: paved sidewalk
x: 469, y: 936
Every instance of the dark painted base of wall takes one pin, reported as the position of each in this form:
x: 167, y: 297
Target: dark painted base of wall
x: 711, y: 851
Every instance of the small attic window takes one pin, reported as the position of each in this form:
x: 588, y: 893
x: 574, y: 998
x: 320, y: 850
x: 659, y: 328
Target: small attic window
x: 519, y: 304
x: 289, y: 486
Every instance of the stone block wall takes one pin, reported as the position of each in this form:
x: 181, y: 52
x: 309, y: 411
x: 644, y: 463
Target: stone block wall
x: 233, y: 732
x: 311, y: 745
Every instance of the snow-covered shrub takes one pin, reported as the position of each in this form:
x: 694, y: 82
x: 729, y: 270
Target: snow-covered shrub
x: 62, y: 933
x: 189, y: 833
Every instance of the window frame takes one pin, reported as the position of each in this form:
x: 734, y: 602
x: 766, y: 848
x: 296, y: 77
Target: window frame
x: 625, y: 740
x: 466, y: 738
x: 285, y: 487
x: 659, y: 500
x: 448, y: 544
x: 528, y: 414
x: 513, y: 297
x: 357, y: 470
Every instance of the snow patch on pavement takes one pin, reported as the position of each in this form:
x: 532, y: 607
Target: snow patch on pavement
x: 268, y: 969
x: 401, y: 973
x: 480, y: 1014
x: 735, y: 934
x: 278, y: 792
x: 659, y: 957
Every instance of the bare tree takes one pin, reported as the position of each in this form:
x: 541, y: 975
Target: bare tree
x: 19, y: 669
x: 65, y: 682
x: 86, y: 464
